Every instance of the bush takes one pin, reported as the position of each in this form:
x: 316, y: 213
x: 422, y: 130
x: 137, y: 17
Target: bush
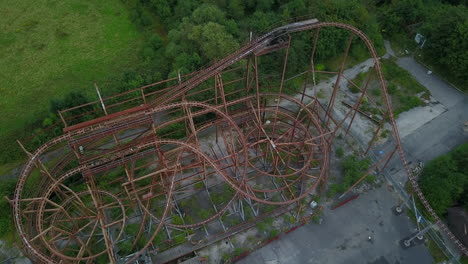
x: 274, y: 233
x: 444, y: 182
x: 125, y: 247
x: 339, y: 152
x: 177, y: 220
x: 392, y: 89
x: 320, y: 67
x: 334, y: 189
x: 376, y: 92
x: 263, y: 226
x: 353, y: 89
x: 7, y: 188
x: 172, y: 131
x: 180, y: 239
x: 354, y: 168
x: 203, y: 213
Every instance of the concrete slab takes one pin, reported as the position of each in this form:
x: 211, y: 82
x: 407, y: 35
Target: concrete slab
x: 411, y: 120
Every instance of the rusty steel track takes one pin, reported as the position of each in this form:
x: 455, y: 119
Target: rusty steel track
x: 246, y: 147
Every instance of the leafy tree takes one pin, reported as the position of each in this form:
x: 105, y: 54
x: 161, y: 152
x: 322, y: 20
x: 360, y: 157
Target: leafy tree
x: 236, y: 9
x: 213, y: 40
x: 72, y: 99
x: 446, y: 32
x: 397, y: 15
x: 183, y: 9
x: 162, y: 8
x: 444, y: 180
x: 208, y: 13
x: 190, y: 62
x: 260, y: 21
x: 264, y: 5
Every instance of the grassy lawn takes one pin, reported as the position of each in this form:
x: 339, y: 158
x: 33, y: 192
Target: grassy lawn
x: 50, y: 48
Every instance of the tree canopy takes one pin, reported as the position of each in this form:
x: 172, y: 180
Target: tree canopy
x: 444, y: 25
x: 444, y: 180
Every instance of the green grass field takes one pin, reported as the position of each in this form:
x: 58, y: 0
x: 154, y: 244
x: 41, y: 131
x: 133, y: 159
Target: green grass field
x: 50, y: 47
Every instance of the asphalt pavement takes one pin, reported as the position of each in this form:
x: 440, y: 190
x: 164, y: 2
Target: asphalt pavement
x: 343, y: 237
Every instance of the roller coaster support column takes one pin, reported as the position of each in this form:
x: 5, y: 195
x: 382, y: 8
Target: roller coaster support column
x: 419, y: 235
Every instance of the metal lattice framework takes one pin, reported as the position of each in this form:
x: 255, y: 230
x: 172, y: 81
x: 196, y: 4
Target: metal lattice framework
x: 163, y: 160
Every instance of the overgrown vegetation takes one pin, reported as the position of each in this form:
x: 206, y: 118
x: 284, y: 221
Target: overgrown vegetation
x: 6, y: 222
x: 402, y: 87
x: 444, y: 180
x: 444, y: 24
x: 353, y: 169
x: 405, y: 91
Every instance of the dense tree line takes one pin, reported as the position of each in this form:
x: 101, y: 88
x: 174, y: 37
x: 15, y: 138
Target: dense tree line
x: 198, y: 32
x: 444, y: 180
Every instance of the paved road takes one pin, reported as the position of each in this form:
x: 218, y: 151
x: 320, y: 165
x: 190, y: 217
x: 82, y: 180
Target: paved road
x: 444, y: 132
x: 439, y: 89
x: 343, y: 237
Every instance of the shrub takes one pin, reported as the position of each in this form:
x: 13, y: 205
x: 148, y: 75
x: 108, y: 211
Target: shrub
x: 320, y: 67
x: 274, y: 233
x: 353, y: 89
x: 7, y: 188
x: 339, y: 152
x: 444, y: 182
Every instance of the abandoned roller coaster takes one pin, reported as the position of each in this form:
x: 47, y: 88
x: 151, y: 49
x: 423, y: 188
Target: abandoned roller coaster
x: 180, y: 157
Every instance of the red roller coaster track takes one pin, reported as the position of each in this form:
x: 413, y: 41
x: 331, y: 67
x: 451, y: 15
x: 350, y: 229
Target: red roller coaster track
x: 159, y: 159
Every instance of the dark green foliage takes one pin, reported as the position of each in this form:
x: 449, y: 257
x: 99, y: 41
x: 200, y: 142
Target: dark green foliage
x: 445, y: 27
x: 132, y: 229
x: 446, y: 31
x: 125, y: 247
x: 262, y: 226
x: 392, y: 88
x: 397, y: 15
x: 71, y: 100
x: 7, y: 188
x: 274, y: 233
x: 444, y: 180
x: 204, y: 213
x: 339, y: 152
x: 177, y: 220
x: 238, y: 251
x: 180, y: 239
x: 353, y: 169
